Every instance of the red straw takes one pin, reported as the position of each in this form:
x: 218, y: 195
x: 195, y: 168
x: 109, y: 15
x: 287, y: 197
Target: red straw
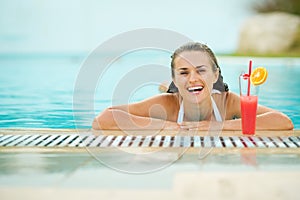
x: 250, y: 68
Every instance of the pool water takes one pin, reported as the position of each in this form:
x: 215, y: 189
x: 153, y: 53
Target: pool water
x: 37, y: 91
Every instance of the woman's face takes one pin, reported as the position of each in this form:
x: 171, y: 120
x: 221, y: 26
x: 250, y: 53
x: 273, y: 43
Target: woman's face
x: 194, y: 76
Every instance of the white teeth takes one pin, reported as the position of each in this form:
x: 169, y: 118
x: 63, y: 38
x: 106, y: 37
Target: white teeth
x: 195, y: 89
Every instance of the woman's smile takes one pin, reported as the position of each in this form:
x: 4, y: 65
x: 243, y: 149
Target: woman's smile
x: 196, y: 89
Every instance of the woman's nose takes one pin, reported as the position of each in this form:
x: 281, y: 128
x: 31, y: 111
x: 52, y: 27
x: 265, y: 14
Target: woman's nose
x: 194, y: 77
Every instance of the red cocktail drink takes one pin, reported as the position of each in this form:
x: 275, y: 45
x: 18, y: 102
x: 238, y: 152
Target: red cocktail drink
x: 248, y: 110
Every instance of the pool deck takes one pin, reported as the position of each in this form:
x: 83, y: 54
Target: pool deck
x: 160, y: 173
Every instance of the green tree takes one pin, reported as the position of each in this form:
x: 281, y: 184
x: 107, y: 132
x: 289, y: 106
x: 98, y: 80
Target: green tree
x: 289, y: 6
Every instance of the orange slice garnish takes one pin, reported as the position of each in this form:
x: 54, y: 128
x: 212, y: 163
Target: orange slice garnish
x: 259, y: 76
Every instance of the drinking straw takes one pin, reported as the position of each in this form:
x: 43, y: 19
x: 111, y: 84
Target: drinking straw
x: 250, y: 68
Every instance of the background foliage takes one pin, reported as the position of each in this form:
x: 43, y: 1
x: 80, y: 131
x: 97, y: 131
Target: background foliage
x: 289, y: 6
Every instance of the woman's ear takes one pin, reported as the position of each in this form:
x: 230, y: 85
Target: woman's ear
x: 217, y: 73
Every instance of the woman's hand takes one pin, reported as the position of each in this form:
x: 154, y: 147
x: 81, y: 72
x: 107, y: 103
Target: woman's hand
x: 202, y: 125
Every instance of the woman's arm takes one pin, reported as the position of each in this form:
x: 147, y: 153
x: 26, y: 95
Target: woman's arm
x: 271, y: 120
x: 152, y: 113
x: 116, y: 119
x: 266, y: 118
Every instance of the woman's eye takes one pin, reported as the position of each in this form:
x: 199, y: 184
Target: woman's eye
x: 182, y: 73
x: 200, y: 71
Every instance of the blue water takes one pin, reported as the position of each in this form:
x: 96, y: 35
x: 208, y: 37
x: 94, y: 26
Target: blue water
x: 37, y: 91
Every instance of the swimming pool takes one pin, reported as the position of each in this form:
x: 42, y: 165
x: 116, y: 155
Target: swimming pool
x: 37, y: 91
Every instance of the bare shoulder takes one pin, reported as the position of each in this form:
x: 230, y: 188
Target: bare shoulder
x: 227, y: 104
x: 163, y: 106
x: 163, y: 99
x: 233, y: 104
x: 233, y: 97
x: 233, y: 108
x: 225, y: 98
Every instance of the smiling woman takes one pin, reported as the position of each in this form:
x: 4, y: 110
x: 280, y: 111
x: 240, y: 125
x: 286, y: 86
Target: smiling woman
x: 202, y: 97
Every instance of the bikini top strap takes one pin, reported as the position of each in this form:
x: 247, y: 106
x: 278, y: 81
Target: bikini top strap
x: 180, y: 114
x: 216, y: 111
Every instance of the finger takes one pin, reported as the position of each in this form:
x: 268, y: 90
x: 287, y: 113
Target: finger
x: 184, y: 127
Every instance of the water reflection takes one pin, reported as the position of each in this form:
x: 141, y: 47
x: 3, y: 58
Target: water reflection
x: 49, y: 163
x: 39, y: 163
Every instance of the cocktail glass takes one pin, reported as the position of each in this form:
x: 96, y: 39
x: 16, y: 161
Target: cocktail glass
x: 248, y: 99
